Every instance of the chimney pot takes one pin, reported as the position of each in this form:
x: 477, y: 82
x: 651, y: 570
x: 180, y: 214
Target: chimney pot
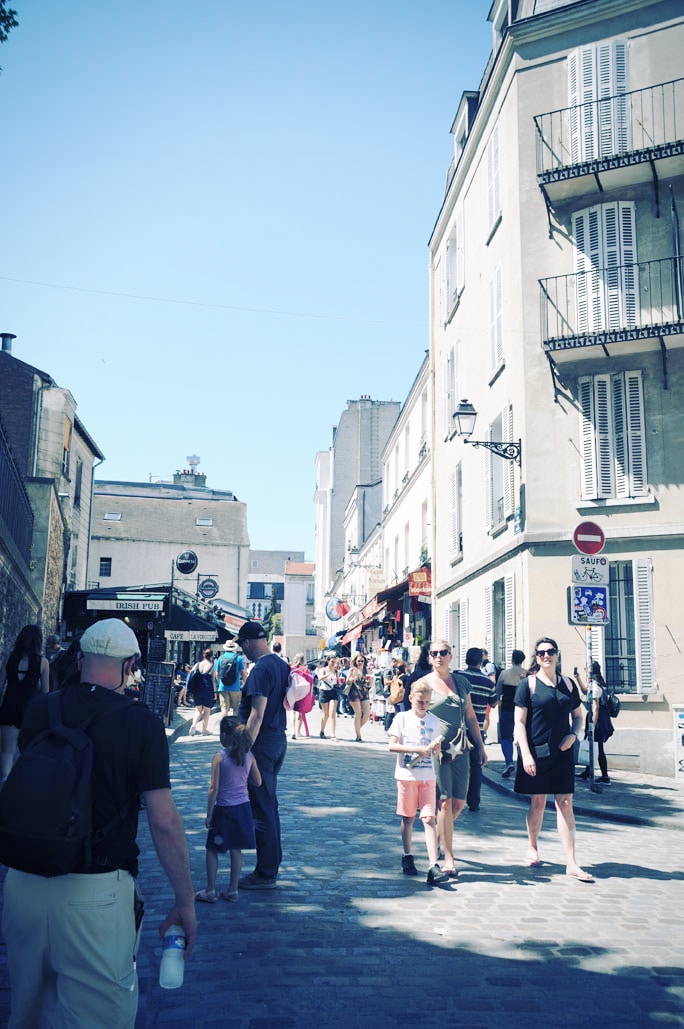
x: 7, y: 338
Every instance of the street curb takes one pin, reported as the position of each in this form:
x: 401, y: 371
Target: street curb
x: 579, y: 809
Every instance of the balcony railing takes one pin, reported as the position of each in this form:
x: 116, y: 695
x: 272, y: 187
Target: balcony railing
x: 629, y: 128
x: 15, y: 506
x: 605, y: 305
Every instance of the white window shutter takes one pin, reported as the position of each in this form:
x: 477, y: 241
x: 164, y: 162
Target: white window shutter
x: 587, y: 438
x: 489, y: 619
x: 489, y: 517
x: 647, y: 681
x: 623, y: 125
x: 573, y: 101
x: 588, y: 232
x: 460, y: 252
x: 604, y: 436
x: 441, y: 276
x: 509, y: 600
x: 596, y: 633
x: 629, y: 286
x: 587, y: 96
x: 634, y: 396
x: 509, y: 468
x: 493, y: 183
x: 622, y: 486
x: 447, y: 623
x: 446, y: 413
x: 462, y: 632
x: 453, y: 498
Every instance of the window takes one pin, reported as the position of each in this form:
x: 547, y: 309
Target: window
x: 255, y: 590
x: 451, y: 387
x: 105, y: 567
x: 499, y: 473
x: 456, y: 519
x: 612, y: 436
x: 78, y: 485
x: 496, y: 354
x: 452, y: 268
x: 597, y: 84
x: 204, y: 521
x: 66, y: 448
x: 627, y: 650
x: 607, y: 291
x: 112, y: 516
x: 493, y: 180
x: 500, y: 620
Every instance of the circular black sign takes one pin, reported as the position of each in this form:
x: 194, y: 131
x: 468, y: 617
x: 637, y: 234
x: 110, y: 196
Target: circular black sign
x: 208, y: 588
x: 186, y: 563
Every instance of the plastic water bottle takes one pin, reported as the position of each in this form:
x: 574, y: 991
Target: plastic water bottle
x: 173, y: 958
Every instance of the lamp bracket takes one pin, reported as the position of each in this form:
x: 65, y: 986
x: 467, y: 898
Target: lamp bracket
x: 511, y: 451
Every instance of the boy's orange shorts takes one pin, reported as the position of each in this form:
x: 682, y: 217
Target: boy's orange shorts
x: 415, y: 796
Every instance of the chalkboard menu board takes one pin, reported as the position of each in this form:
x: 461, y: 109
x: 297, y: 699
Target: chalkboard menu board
x: 158, y: 691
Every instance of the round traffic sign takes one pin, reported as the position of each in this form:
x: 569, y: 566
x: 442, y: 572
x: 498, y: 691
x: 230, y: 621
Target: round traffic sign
x: 588, y: 538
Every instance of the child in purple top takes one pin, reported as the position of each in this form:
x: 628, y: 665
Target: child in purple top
x: 229, y: 813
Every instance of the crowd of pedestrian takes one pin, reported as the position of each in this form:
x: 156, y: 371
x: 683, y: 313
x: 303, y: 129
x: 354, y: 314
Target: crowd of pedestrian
x: 435, y: 717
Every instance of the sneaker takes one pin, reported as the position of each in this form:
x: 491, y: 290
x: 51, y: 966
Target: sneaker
x: 257, y: 882
x: 435, y: 875
x: 408, y: 865
x: 508, y: 771
x: 605, y: 779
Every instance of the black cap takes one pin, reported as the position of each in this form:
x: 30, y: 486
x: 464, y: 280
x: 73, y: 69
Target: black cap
x: 250, y: 631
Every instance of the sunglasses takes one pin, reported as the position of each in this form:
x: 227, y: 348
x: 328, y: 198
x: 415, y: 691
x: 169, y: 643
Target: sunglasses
x: 439, y: 653
x: 547, y: 653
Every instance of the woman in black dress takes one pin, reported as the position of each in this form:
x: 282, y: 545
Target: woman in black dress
x: 27, y: 673
x: 548, y: 720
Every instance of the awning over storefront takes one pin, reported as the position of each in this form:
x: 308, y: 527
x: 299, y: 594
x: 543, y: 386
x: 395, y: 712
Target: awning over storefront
x: 183, y: 625
x: 393, y: 594
x: 352, y: 634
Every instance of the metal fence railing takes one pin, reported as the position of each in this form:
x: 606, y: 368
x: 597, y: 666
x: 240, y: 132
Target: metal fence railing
x: 639, y: 123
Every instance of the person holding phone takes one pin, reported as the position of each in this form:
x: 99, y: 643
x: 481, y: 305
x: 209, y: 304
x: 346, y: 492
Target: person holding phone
x: 548, y: 720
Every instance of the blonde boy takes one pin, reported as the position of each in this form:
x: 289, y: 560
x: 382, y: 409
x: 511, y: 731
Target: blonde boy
x: 414, y: 738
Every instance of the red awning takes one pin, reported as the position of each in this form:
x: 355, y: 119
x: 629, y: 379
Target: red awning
x: 353, y: 634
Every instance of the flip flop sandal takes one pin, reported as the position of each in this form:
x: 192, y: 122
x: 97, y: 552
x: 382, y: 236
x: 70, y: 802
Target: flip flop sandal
x: 206, y: 896
x: 226, y: 895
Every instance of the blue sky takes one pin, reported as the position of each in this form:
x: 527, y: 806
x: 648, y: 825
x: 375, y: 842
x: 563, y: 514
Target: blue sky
x: 215, y: 222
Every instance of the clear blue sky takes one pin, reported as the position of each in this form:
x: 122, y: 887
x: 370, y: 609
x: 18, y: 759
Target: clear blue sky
x: 215, y: 222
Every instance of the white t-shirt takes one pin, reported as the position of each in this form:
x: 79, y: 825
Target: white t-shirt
x: 411, y: 731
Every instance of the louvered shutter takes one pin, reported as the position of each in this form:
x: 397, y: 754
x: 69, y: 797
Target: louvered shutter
x: 493, y: 181
x: 460, y: 252
x: 629, y: 286
x: 489, y: 517
x: 509, y: 601
x: 495, y: 319
x: 596, y: 634
x: 634, y: 397
x: 489, y: 619
x: 453, y: 497
x: 620, y: 437
x: 509, y: 466
x: 604, y: 436
x: 647, y: 679
x: 447, y: 623
x: 441, y: 276
x: 587, y: 438
x: 446, y: 413
x: 588, y: 235
x: 462, y: 632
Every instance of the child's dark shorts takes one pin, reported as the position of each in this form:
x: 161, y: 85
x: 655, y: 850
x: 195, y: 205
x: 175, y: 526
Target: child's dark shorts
x: 232, y: 828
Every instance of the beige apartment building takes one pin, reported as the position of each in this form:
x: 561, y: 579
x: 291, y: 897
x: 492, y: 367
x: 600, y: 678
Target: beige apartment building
x: 557, y: 312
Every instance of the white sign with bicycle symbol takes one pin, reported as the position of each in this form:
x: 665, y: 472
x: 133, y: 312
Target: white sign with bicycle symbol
x: 594, y: 570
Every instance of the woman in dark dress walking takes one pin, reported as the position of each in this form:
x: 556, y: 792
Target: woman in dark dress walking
x: 548, y: 720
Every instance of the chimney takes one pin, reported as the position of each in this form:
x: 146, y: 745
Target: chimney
x: 7, y: 338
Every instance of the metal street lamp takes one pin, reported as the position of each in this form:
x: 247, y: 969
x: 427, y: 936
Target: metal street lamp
x: 463, y: 420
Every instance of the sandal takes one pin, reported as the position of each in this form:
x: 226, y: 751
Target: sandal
x: 206, y: 896
x: 227, y: 895
x: 451, y: 872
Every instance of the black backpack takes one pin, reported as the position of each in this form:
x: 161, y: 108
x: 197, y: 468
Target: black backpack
x: 611, y: 702
x: 46, y: 804
x: 228, y: 670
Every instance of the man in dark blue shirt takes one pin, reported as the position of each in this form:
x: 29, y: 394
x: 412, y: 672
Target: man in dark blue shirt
x: 482, y: 694
x: 263, y: 714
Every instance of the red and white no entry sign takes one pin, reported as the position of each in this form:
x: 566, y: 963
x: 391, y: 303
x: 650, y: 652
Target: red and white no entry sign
x: 588, y: 538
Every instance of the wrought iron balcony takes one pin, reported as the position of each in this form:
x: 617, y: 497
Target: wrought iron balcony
x: 642, y: 127
x: 607, y: 305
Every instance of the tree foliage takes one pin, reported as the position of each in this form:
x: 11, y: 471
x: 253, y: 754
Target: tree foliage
x: 8, y: 20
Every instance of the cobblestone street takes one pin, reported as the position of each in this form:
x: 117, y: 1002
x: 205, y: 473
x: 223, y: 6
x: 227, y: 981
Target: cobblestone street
x: 346, y: 939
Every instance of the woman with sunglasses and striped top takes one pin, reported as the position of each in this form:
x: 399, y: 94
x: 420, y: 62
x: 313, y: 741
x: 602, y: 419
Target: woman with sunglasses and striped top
x: 548, y: 720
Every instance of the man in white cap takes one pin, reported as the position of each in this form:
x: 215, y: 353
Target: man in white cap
x: 263, y: 714
x: 72, y: 939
